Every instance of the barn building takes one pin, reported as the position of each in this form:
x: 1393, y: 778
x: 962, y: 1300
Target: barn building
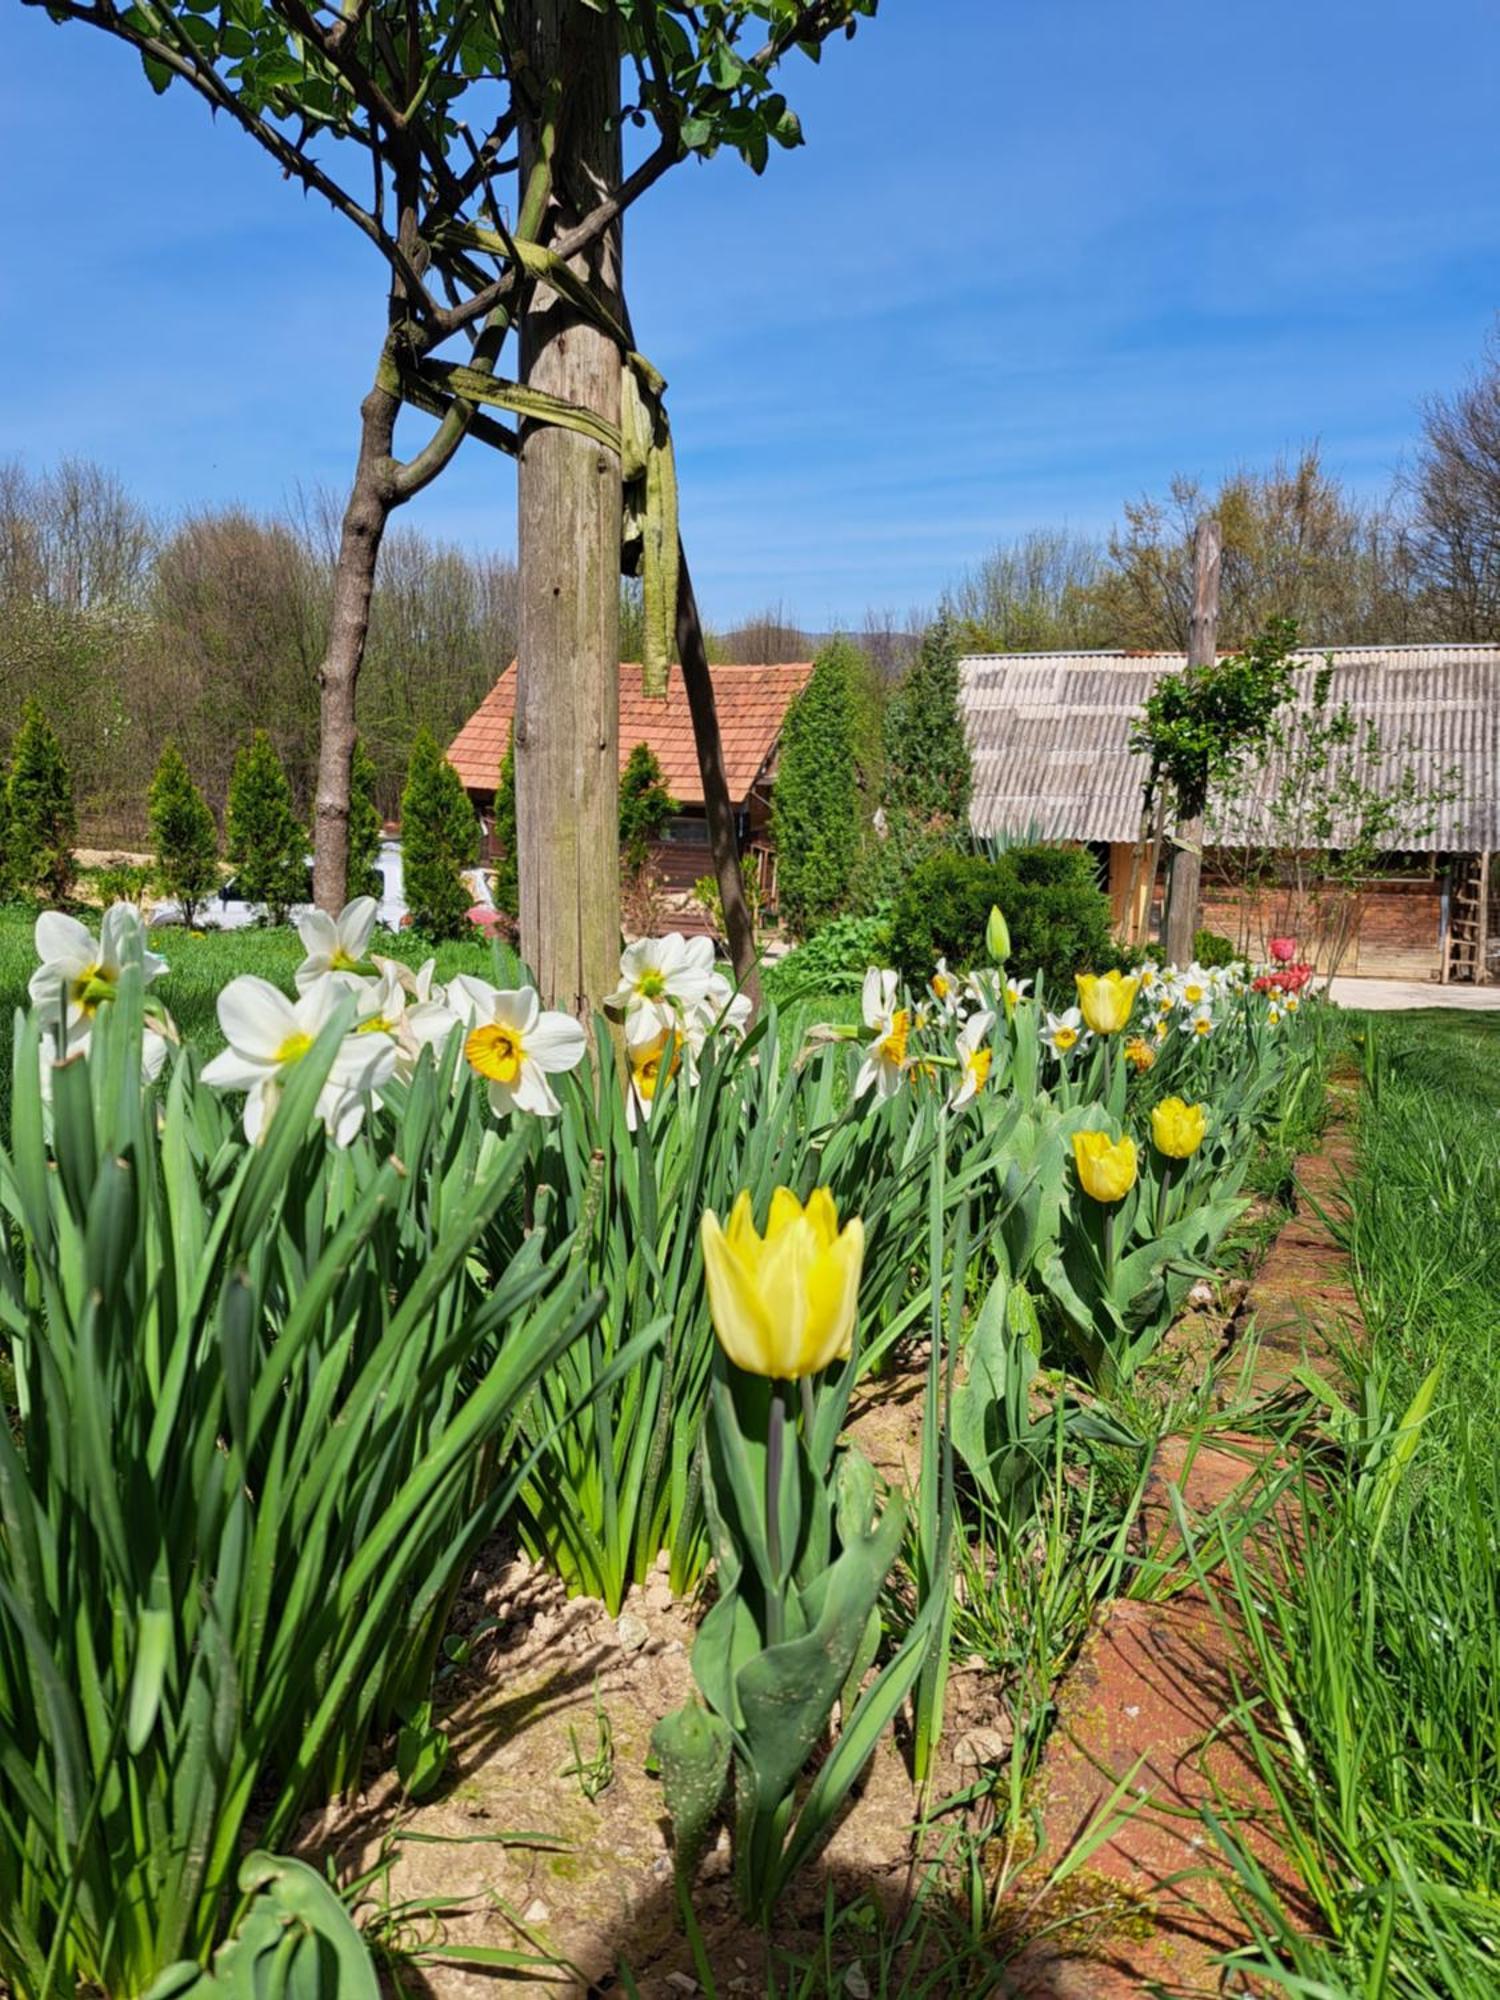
x: 752, y: 703
x: 1049, y: 735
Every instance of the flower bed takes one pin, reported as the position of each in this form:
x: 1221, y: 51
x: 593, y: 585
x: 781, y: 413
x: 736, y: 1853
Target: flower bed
x: 296, y: 1329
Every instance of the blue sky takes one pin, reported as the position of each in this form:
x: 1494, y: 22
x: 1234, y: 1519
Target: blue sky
x: 1035, y: 258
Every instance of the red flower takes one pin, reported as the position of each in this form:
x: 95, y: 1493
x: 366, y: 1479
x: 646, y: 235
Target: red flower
x: 1283, y: 949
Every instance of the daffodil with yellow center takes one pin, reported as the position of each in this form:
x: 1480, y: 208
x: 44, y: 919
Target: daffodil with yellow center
x: 1178, y: 1127
x: 1106, y: 1000
x: 514, y: 1045
x: 783, y: 1305
x: 1107, y: 1167
x: 78, y: 974
x: 974, y: 1055
x: 650, y: 1065
x: 496, y: 1052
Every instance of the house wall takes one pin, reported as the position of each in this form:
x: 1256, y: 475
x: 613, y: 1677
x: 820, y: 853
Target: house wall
x: 1400, y: 931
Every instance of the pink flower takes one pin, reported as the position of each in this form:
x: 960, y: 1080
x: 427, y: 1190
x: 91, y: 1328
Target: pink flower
x: 1283, y: 949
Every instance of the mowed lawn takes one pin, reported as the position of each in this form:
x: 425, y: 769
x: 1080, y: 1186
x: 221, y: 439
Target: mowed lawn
x: 200, y: 965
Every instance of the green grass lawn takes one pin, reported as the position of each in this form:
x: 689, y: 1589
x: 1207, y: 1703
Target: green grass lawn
x: 200, y: 965
x: 1380, y: 1638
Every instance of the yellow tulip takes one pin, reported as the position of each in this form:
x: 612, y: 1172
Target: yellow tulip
x: 1178, y: 1128
x: 1106, y: 1167
x: 783, y: 1305
x: 1106, y: 999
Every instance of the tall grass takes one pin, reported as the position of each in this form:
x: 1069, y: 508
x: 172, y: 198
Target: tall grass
x: 1376, y: 1636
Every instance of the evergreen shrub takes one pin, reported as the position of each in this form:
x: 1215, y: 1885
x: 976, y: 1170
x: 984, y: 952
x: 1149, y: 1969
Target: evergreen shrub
x: 439, y: 839
x: 267, y: 842
x: 1058, y: 916
x: 184, y: 837
x: 41, y: 821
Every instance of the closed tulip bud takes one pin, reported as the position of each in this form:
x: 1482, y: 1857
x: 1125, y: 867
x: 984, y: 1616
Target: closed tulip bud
x: 1106, y: 1167
x: 997, y: 936
x: 1178, y: 1128
x: 783, y: 1304
x: 1106, y: 1000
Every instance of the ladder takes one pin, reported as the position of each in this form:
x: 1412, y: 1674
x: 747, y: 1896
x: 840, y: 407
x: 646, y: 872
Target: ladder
x: 1472, y: 932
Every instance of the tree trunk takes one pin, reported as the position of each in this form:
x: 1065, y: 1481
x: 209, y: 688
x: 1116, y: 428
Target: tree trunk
x: 1187, y: 856
x: 718, y: 807
x: 567, y: 721
x: 371, y: 500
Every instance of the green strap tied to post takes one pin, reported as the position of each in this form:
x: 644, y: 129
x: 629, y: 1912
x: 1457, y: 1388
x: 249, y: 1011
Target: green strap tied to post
x: 642, y: 441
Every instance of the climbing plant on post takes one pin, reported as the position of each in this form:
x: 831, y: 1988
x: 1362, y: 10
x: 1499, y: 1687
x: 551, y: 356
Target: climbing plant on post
x: 1197, y: 728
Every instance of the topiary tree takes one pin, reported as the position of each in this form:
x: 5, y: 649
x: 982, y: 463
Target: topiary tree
x: 42, y: 822
x: 817, y: 809
x: 507, y: 875
x: 184, y: 836
x: 439, y: 839
x: 267, y: 842
x: 365, y: 827
x: 928, y: 773
x: 645, y: 806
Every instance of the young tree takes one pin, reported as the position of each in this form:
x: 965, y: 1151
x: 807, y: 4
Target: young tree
x: 42, y: 822
x: 817, y: 812
x: 507, y: 881
x: 439, y: 839
x: 928, y: 773
x: 390, y: 81
x: 365, y: 827
x: 267, y: 842
x: 184, y: 837
x: 645, y: 806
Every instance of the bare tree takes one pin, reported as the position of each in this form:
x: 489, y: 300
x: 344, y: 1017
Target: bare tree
x: 1037, y: 593
x: 1454, y: 491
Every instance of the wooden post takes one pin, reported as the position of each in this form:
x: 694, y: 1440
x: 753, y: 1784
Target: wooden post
x: 1482, y: 932
x: 1186, y: 875
x: 567, y: 725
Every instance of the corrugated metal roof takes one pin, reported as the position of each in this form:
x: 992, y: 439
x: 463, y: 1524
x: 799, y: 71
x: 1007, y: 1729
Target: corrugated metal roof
x: 1049, y: 734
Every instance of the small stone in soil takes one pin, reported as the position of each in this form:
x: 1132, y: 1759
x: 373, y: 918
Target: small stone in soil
x: 981, y: 1746
x: 631, y: 1631
x: 536, y: 1911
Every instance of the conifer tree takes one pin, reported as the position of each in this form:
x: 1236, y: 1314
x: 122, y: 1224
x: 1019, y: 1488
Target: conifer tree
x: 507, y: 874
x: 42, y: 822
x: 645, y: 805
x: 439, y: 839
x: 928, y: 773
x: 267, y: 842
x: 184, y: 837
x: 817, y: 812
x: 365, y: 828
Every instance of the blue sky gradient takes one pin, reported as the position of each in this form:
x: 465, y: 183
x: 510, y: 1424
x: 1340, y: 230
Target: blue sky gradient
x: 1033, y: 259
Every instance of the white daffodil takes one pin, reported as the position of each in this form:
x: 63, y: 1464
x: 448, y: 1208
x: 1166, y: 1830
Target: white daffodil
x: 885, y: 1062
x: 1193, y: 987
x: 386, y: 1006
x: 1064, y: 1032
x: 268, y: 1035
x: 974, y: 1058
x: 421, y: 985
x: 1016, y: 991
x: 651, y: 1063
x: 982, y: 989
x: 79, y: 973
x: 1273, y: 1016
x: 722, y: 1009
x: 945, y: 989
x: 1200, y: 1023
x: 336, y: 944
x: 661, y: 981
x: 154, y: 1045
x: 514, y: 1045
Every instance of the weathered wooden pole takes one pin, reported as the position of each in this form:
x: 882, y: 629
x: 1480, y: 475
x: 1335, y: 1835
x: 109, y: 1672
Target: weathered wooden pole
x: 567, y: 724
x: 1186, y: 873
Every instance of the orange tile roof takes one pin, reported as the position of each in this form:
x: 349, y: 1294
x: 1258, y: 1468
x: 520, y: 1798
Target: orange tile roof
x: 752, y: 704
